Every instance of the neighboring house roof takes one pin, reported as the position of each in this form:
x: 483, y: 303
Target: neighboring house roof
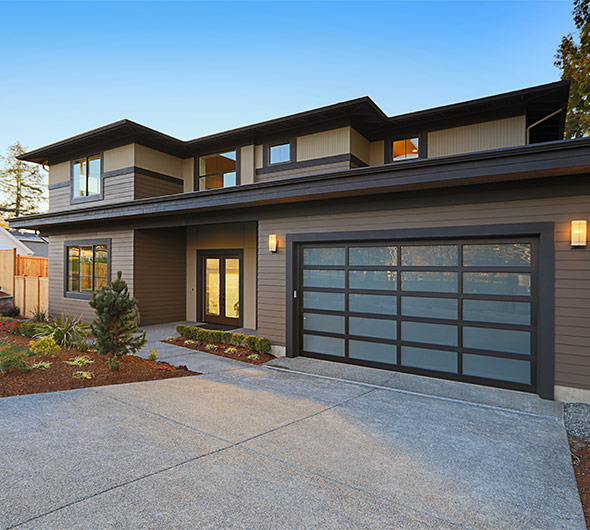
x: 8, y: 240
x: 362, y: 113
x: 35, y: 242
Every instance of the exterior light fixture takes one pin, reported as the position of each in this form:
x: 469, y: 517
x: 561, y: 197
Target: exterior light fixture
x: 273, y: 244
x: 579, y: 233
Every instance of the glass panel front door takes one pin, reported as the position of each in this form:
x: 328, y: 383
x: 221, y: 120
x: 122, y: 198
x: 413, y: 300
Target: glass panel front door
x: 221, y: 289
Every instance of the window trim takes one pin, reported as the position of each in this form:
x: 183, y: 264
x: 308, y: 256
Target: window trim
x: 196, y: 175
x: 422, y: 147
x: 292, y: 141
x: 87, y: 198
x: 84, y: 243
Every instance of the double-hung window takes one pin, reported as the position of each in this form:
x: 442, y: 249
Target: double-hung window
x: 87, y: 267
x: 218, y: 170
x: 86, y: 176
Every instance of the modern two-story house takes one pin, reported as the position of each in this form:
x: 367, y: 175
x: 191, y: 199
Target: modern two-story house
x: 449, y: 242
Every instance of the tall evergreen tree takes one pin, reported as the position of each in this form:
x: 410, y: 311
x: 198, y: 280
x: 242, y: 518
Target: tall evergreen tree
x: 573, y: 59
x: 116, y: 322
x: 22, y: 188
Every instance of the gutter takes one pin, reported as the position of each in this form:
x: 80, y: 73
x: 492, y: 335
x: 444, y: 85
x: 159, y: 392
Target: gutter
x: 512, y: 163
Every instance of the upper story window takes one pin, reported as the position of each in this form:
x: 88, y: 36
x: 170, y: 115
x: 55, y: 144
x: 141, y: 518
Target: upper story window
x: 86, y: 176
x: 87, y: 267
x: 218, y: 170
x: 406, y: 149
x: 280, y: 153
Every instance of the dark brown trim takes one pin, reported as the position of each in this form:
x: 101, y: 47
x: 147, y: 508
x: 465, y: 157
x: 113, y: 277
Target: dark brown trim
x: 285, y: 166
x: 142, y: 171
x: 81, y: 243
x: 64, y: 184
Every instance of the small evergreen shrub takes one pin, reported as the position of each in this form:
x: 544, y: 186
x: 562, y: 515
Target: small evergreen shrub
x: 250, y: 342
x: 11, y: 312
x: 263, y: 345
x: 45, y: 346
x: 116, y: 322
x: 226, y: 337
x: 180, y: 329
x: 237, y: 339
x: 153, y: 355
x: 216, y: 336
x: 113, y: 363
x: 13, y: 359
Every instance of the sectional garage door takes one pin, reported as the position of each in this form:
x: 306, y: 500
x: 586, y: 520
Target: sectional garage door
x: 458, y: 309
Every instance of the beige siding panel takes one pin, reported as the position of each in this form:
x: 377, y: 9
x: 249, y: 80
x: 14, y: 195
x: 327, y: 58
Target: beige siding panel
x: 508, y: 132
x: 59, y: 173
x: 157, y: 161
x: 247, y: 168
x: 303, y: 171
x: 147, y: 186
x: 327, y: 143
x: 121, y: 259
x: 258, y: 155
x: 360, y: 146
x: 223, y: 237
x: 160, y: 274
x: 572, y: 291
x: 377, y: 153
x: 119, y: 157
x: 188, y: 174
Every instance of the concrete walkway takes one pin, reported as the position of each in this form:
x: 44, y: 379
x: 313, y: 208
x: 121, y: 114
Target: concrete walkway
x: 256, y: 447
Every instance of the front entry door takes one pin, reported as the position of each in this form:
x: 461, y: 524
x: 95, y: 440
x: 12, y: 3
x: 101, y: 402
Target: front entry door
x: 221, y: 289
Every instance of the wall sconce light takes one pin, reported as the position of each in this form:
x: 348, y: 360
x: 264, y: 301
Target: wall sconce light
x: 579, y: 233
x: 273, y: 244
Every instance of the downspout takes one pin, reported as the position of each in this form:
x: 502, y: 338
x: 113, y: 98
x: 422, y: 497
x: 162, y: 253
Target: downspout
x: 528, y: 129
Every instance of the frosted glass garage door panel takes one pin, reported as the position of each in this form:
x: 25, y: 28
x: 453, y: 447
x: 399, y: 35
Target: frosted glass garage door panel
x: 328, y: 323
x: 324, y: 278
x: 372, y: 351
x: 372, y: 327
x: 323, y: 345
x: 428, y: 359
x: 513, y: 370
x: 329, y: 301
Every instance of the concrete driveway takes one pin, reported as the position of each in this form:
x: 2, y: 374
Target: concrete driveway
x: 253, y: 447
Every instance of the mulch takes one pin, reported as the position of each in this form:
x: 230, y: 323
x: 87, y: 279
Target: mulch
x: 60, y: 376
x: 581, y: 460
x: 221, y: 350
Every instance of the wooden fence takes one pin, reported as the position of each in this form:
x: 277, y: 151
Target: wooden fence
x: 26, y: 279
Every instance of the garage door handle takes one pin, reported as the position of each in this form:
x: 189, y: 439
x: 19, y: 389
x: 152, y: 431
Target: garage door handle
x: 294, y: 294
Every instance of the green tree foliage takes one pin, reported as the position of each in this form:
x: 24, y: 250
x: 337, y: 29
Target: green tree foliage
x: 573, y: 59
x: 116, y: 322
x: 22, y: 188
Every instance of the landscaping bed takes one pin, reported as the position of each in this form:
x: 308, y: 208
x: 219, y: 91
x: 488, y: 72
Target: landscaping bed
x: 62, y: 376
x: 581, y: 460
x: 249, y: 349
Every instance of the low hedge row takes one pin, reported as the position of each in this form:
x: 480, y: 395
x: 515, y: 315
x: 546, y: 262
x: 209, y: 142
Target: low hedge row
x: 257, y: 344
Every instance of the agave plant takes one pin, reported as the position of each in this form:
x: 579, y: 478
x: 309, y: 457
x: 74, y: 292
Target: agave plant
x: 67, y: 330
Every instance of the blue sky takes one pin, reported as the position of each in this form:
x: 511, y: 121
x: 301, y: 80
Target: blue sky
x: 195, y: 68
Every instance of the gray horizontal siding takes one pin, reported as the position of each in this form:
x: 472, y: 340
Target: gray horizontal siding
x: 148, y: 186
x: 121, y: 259
x: 303, y: 171
x: 572, y: 287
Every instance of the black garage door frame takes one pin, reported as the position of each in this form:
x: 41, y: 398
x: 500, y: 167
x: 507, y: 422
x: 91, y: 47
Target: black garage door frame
x: 545, y: 282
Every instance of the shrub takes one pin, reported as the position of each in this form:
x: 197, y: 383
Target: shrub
x: 188, y: 342
x: 83, y: 345
x: 82, y: 375
x: 9, y: 325
x: 39, y: 315
x: 153, y: 355
x: 13, y: 359
x: 254, y: 356
x: 114, y: 363
x: 66, y: 330
x: 181, y: 329
x: 237, y: 339
x: 116, y: 322
x: 171, y: 338
x: 226, y: 337
x: 45, y: 346
x: 29, y: 329
x: 12, y: 312
x: 210, y: 347
x: 79, y: 361
x: 41, y: 365
x: 263, y: 345
x: 250, y: 342
x: 215, y: 336
x: 231, y: 349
